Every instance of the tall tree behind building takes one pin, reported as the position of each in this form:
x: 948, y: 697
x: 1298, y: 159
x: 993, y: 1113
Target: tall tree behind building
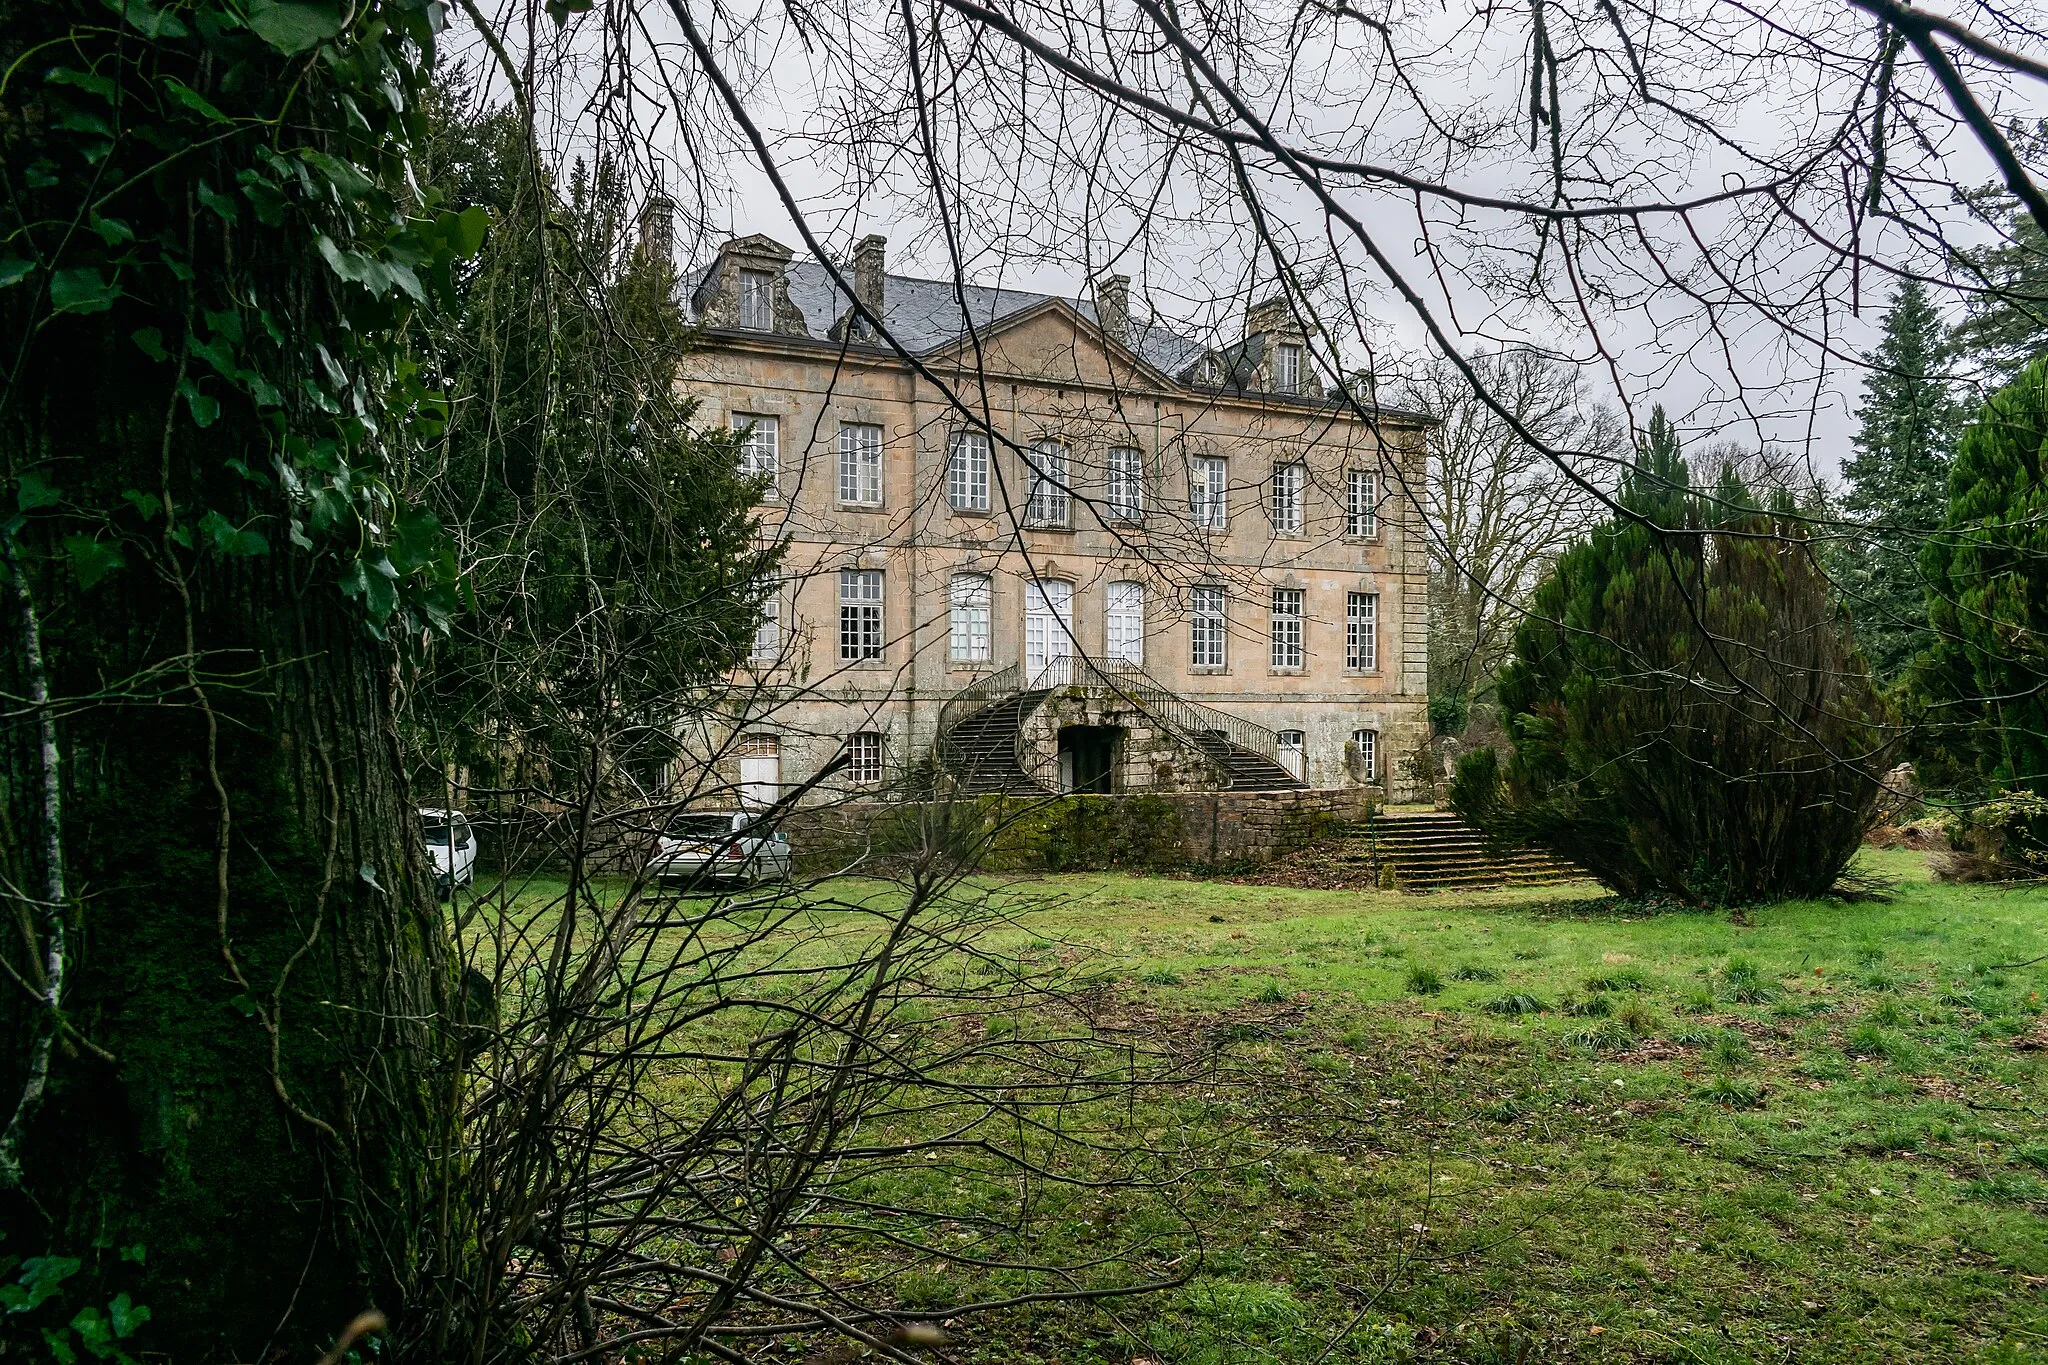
x: 1897, y: 481
x: 1499, y: 512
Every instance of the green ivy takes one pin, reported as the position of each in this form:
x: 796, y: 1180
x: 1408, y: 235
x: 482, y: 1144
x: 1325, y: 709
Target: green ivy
x: 196, y: 164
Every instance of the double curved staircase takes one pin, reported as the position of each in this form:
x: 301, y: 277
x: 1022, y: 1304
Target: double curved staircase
x: 981, y: 742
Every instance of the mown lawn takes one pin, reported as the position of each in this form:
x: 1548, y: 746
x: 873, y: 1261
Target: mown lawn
x: 1814, y: 1136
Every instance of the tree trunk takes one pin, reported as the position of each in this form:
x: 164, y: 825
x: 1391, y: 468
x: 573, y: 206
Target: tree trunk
x: 253, y: 938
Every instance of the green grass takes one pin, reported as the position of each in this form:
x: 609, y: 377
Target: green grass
x: 1802, y: 1137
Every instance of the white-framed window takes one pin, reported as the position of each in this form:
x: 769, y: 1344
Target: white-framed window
x: 1288, y: 607
x: 860, y: 614
x: 1124, y: 623
x: 1362, y: 631
x: 967, y: 471
x: 1047, y: 504
x: 767, y: 646
x: 1206, y: 627
x: 968, y: 598
x: 864, y: 757
x: 1126, y: 483
x: 1209, y: 491
x: 1361, y: 504
x: 1287, y: 367
x: 860, y: 464
x: 757, y: 300
x: 760, y: 446
x: 1365, y: 746
x: 1290, y: 492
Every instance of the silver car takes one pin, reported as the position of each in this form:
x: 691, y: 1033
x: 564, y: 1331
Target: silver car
x: 703, y: 846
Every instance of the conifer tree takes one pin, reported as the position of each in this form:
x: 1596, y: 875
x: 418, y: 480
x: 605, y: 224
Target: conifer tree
x: 1898, y: 480
x: 1688, y: 714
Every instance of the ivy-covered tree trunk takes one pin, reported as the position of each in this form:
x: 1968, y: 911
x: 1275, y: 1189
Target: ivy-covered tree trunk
x: 206, y: 264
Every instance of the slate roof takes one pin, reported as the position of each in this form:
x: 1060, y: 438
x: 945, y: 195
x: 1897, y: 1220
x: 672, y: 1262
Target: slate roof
x: 926, y: 315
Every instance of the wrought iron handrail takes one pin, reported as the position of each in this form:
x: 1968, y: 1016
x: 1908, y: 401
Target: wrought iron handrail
x: 1190, y: 721
x: 981, y: 692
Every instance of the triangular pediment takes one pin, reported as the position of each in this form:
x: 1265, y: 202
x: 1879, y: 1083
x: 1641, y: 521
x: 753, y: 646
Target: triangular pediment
x: 1051, y: 342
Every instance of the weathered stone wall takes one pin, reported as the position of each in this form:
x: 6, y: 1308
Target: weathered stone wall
x: 1137, y: 830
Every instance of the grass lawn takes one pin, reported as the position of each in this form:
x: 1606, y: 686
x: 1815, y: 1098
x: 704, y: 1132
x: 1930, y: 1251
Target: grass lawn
x: 1524, y: 1126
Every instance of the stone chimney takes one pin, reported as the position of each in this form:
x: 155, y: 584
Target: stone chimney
x: 1271, y: 318
x: 867, y: 271
x: 658, y: 228
x: 1113, y: 307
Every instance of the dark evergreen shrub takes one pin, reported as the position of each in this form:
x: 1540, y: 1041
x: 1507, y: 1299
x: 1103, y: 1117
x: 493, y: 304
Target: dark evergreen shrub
x: 1687, y: 712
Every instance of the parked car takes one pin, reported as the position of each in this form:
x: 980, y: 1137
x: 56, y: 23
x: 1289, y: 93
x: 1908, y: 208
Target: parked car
x: 704, y: 846
x: 452, y: 845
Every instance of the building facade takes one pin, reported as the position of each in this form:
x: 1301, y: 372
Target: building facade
x: 1037, y: 545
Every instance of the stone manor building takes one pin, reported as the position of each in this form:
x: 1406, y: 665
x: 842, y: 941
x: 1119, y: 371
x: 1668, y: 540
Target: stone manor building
x: 1056, y: 548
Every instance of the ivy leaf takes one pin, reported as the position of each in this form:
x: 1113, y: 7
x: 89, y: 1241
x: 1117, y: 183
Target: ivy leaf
x: 204, y: 408
x: 148, y: 20
x: 82, y: 289
x: 124, y: 1313
x: 93, y: 83
x: 34, y: 491
x: 41, y: 1278
x: 293, y: 27
x: 91, y: 560
x: 147, y: 505
x: 416, y: 538
x: 13, y: 270
x: 231, y: 540
x: 226, y: 205
x: 343, y: 175
x: 60, y: 1347
x: 150, y: 341
x: 112, y: 231
x: 193, y: 100
x: 263, y: 196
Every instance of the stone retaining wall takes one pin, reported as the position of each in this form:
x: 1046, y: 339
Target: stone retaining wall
x: 1059, y: 833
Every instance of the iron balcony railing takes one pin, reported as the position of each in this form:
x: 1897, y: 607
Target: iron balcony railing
x: 1191, y: 722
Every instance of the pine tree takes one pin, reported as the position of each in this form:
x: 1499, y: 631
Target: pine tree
x: 1898, y: 480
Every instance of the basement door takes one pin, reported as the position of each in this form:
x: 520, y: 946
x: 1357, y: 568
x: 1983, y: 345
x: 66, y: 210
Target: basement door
x: 760, y: 770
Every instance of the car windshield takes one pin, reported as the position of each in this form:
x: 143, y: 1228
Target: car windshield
x: 700, y: 826
x: 440, y: 832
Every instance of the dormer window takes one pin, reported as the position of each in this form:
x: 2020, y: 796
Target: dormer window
x: 757, y: 300
x: 1287, y: 368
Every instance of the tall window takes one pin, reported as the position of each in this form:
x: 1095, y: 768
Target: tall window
x: 1362, y: 631
x: 1206, y: 626
x: 1287, y: 614
x: 1124, y: 623
x: 760, y: 447
x: 1290, y: 484
x: 967, y: 471
x: 860, y: 614
x: 1362, y: 504
x: 1126, y: 483
x: 864, y: 757
x: 757, y: 300
x: 1365, y: 745
x: 860, y: 464
x: 1047, y: 504
x: 767, y: 647
x: 968, y: 614
x: 1208, y: 491
x: 1287, y: 368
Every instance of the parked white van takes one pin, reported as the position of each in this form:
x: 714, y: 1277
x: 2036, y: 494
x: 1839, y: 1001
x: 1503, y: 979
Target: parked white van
x: 452, y: 845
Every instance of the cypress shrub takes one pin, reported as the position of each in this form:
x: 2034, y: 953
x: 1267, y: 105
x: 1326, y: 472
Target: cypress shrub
x: 1688, y: 714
